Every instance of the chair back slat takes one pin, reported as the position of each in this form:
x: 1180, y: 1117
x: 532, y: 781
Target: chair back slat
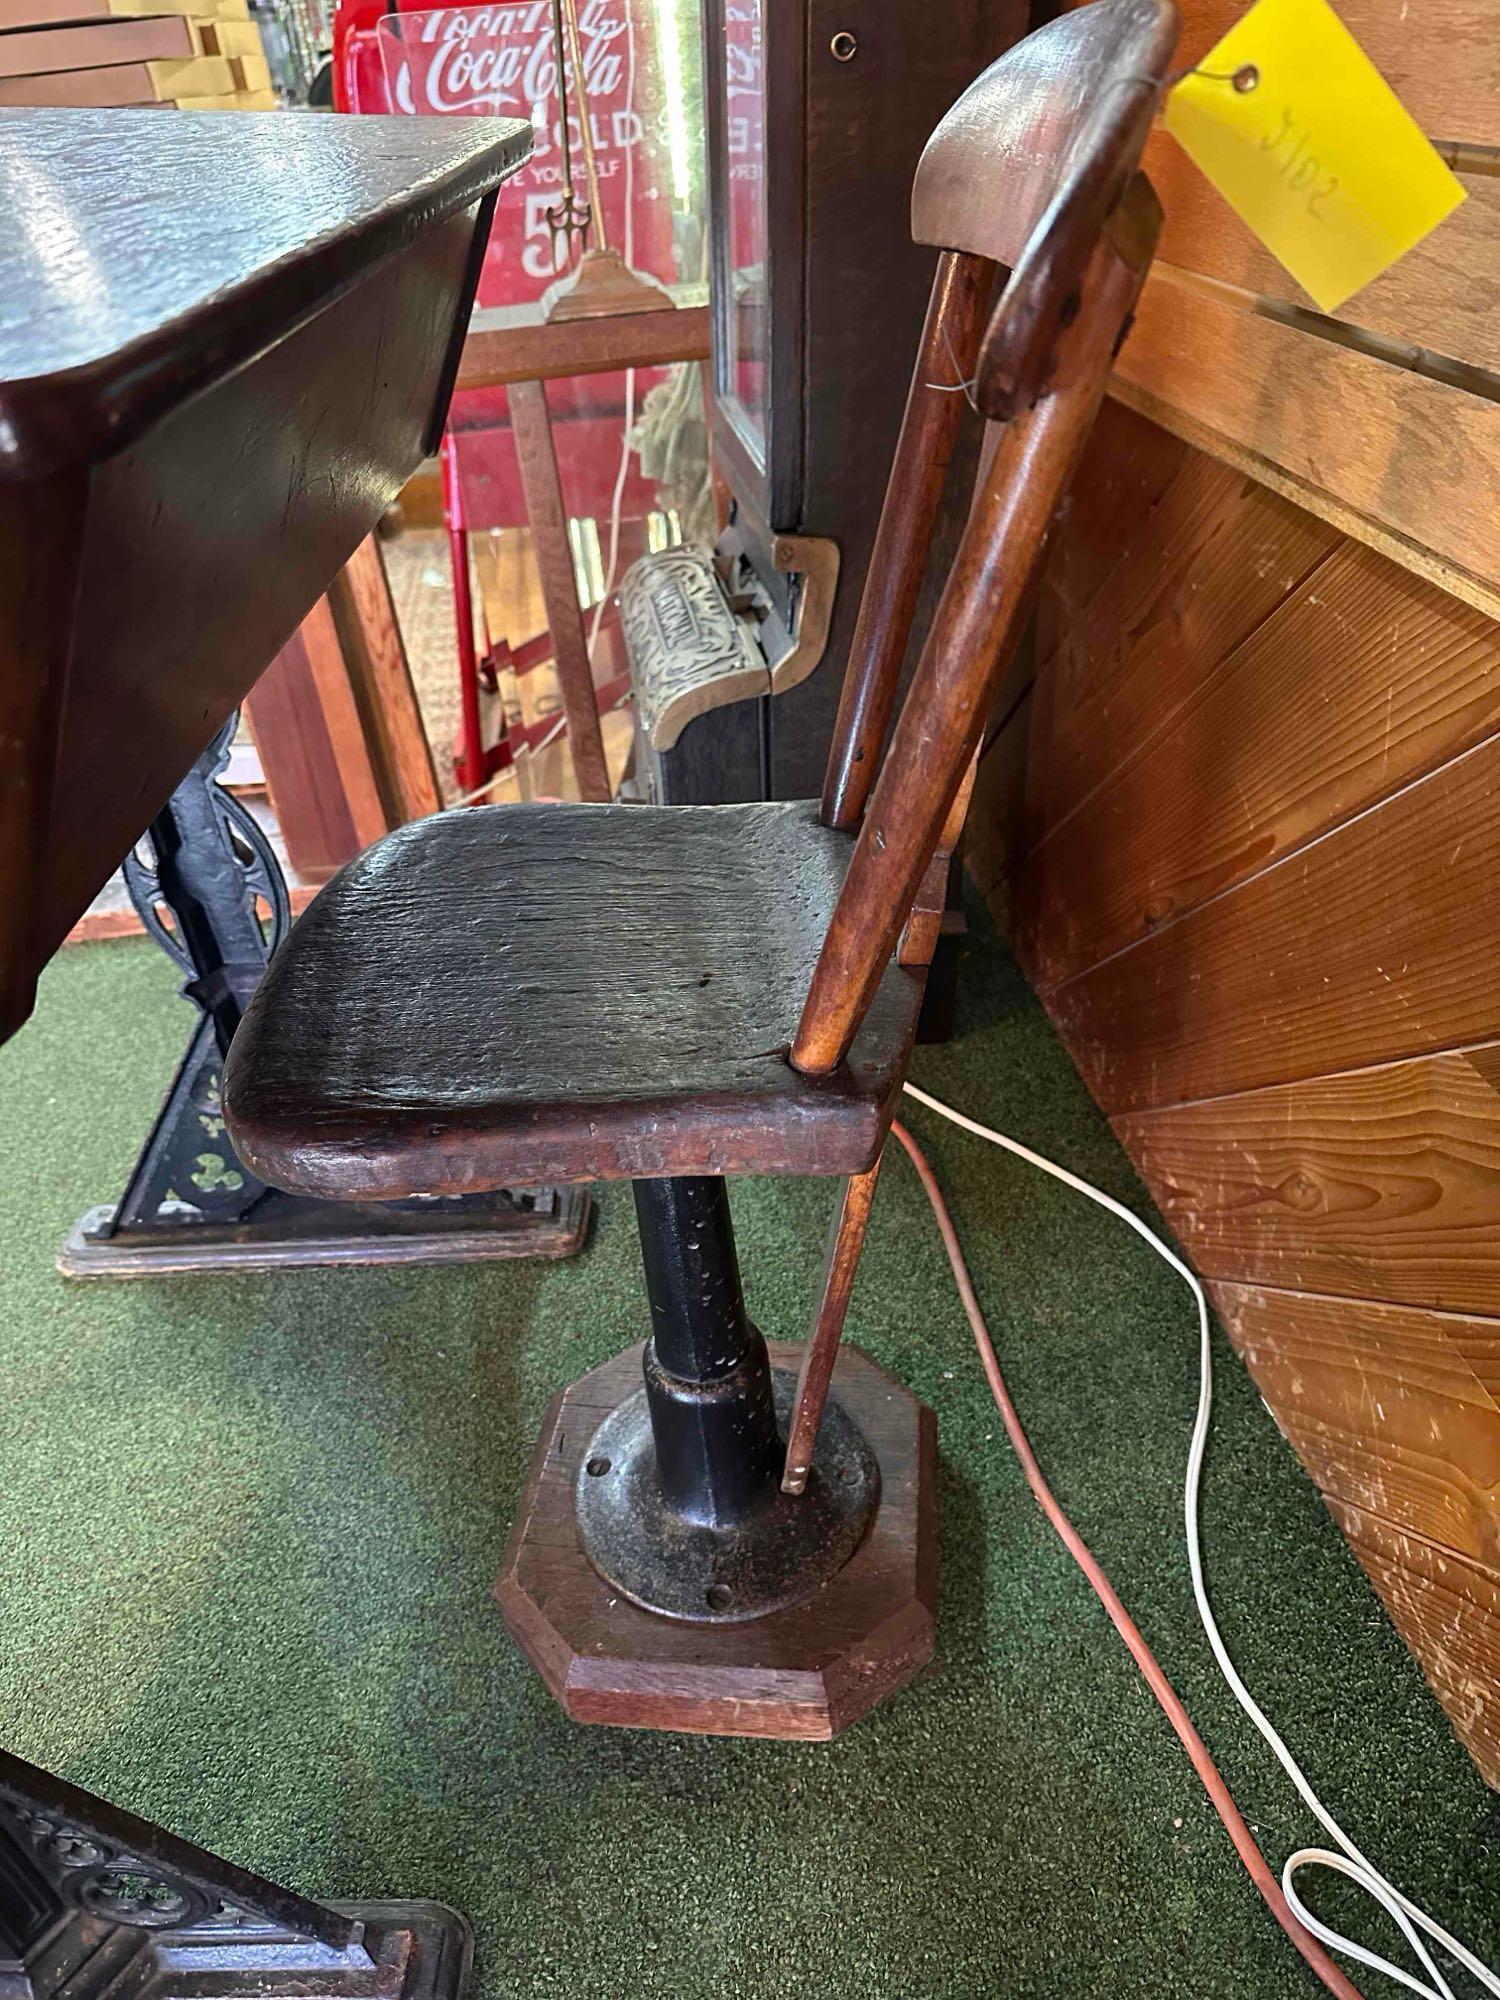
x: 978, y: 621
x: 946, y: 358
x: 1023, y: 170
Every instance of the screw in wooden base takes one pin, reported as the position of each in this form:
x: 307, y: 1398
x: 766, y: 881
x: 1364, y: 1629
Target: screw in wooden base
x: 806, y: 1671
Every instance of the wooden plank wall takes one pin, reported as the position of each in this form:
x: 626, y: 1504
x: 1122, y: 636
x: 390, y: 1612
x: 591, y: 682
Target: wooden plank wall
x: 1242, y: 820
x: 1383, y: 421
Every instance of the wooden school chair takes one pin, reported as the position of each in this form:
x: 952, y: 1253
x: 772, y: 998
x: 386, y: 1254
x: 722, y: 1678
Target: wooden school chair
x: 670, y: 995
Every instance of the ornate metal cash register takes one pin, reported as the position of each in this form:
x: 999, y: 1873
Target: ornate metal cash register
x: 816, y: 114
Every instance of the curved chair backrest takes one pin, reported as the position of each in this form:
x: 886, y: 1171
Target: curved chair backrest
x: 1055, y: 126
x: 1033, y: 172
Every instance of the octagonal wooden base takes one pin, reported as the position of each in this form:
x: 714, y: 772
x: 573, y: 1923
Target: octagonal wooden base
x: 805, y: 1672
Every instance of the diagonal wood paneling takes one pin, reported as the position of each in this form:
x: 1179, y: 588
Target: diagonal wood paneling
x: 1448, y: 1611
x: 1443, y: 295
x: 1379, y: 1183
x: 1221, y: 553
x: 1393, y: 1411
x: 1247, y: 829
x: 1107, y: 511
x: 1396, y: 1415
x: 1381, y: 940
x: 1402, y: 455
x: 1260, y: 759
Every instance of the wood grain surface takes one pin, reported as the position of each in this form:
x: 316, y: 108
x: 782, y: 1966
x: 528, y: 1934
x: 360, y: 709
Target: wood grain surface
x: 1256, y: 763
x: 192, y: 579
x: 1382, y: 940
x: 913, y: 496
x: 1222, y: 554
x: 523, y: 994
x: 1398, y: 448
x: 1448, y: 1611
x: 1107, y: 506
x: 235, y: 409
x: 380, y: 675
x: 846, y: 1238
x: 1440, y: 296
x: 1392, y: 1410
x: 1379, y: 1183
x: 1380, y: 418
x: 1243, y: 830
x: 515, y: 344
x: 313, y: 803
x: 984, y: 609
x: 338, y: 729
x: 110, y: 206
x: 548, y: 516
x: 1074, y: 99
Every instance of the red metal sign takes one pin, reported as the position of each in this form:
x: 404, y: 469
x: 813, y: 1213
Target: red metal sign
x: 500, y: 60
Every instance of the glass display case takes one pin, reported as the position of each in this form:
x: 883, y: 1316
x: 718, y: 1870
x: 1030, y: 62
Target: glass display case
x: 740, y: 246
x: 816, y: 112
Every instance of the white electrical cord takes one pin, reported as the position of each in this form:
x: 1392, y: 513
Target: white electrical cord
x: 1350, y: 1862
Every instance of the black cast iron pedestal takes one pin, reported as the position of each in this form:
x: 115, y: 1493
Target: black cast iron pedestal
x: 191, y: 1202
x: 679, y: 1502
x: 96, y: 1904
x: 658, y: 1576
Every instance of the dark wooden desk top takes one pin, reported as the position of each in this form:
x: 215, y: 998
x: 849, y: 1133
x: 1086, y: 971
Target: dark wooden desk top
x: 224, y: 344
x: 147, y: 253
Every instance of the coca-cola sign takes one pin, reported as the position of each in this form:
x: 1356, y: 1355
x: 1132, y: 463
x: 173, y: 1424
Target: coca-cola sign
x: 496, y: 60
x: 501, y: 60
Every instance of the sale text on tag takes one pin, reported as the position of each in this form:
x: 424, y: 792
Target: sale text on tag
x: 1308, y: 143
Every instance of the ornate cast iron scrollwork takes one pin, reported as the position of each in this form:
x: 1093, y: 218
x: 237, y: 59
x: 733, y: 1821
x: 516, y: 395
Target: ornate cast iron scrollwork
x: 262, y: 879
x: 101, y: 1871
x: 689, y: 650
x: 206, y: 884
x: 95, y: 1902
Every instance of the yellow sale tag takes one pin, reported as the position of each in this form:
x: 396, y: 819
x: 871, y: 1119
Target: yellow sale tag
x: 1308, y: 143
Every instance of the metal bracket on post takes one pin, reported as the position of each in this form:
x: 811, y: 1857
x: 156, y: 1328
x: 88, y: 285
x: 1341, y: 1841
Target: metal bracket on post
x: 211, y: 893
x: 815, y: 560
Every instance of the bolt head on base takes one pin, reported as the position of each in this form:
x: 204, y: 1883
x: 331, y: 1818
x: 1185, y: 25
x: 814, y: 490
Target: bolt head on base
x: 804, y: 1670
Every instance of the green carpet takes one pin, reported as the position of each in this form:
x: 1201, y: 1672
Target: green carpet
x: 250, y: 1530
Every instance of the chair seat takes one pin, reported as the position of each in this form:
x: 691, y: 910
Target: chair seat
x: 523, y: 994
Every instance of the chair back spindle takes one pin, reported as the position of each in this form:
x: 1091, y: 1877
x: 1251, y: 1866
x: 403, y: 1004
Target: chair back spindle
x: 945, y: 361
x: 1033, y: 170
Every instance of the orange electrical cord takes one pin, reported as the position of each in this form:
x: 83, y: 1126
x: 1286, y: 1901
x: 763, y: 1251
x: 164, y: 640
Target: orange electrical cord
x: 1258, y: 1867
